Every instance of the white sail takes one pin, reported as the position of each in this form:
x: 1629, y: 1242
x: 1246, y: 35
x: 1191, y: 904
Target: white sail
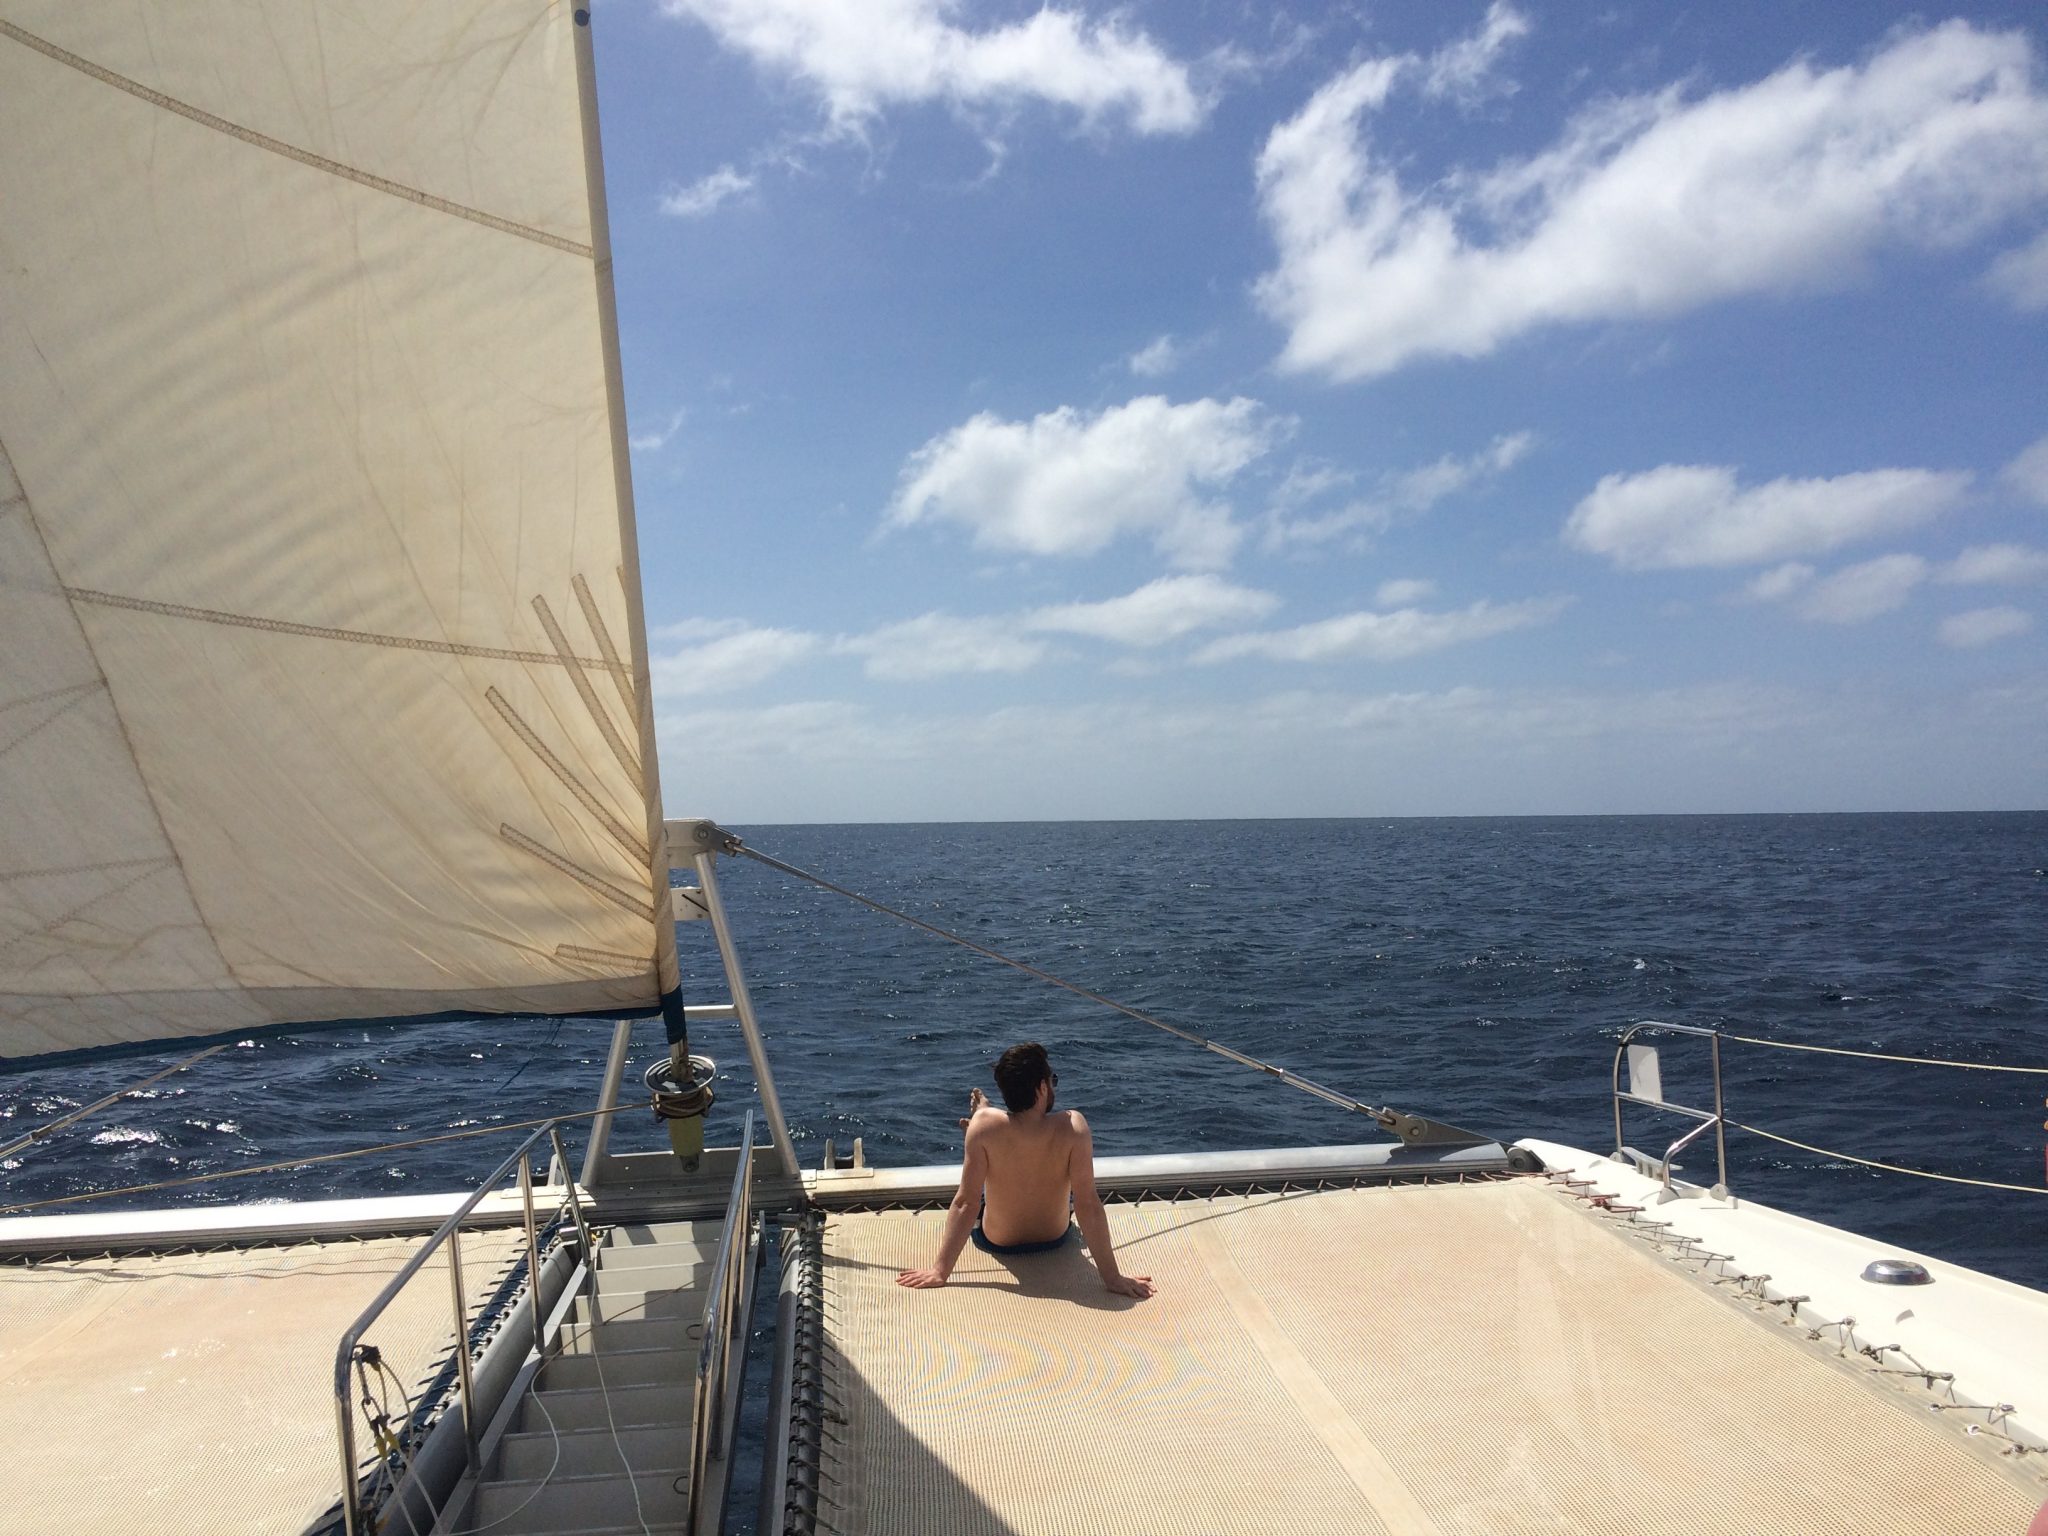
x: 322, y: 681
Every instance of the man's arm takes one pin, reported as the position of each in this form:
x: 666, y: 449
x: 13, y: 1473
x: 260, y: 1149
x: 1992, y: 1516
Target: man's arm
x: 1095, y: 1220
x: 960, y: 1215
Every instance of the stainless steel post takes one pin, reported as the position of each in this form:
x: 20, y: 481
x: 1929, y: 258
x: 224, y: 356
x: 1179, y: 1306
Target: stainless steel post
x: 1720, y: 1122
x: 462, y: 1342
x: 607, y: 1099
x: 575, y: 1203
x: 349, y: 1513
x: 764, y: 1078
x: 532, y: 1250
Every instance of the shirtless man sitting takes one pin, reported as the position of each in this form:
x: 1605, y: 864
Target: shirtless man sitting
x: 1023, y: 1165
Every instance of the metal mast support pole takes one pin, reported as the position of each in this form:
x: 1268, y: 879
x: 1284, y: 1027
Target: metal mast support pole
x: 607, y: 1096
x: 771, y: 1105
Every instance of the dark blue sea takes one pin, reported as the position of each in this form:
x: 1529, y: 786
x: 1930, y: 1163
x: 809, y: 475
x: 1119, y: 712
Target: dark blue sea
x: 1476, y: 970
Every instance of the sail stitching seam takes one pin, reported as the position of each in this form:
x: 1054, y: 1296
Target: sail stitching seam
x: 160, y: 865
x: 589, y: 801
x: 47, y: 721
x: 620, y: 673
x: 305, y: 157
x: 603, y: 721
x: 597, y: 883
x: 149, y: 795
x: 80, y: 869
x: 591, y: 956
x: 49, y: 694
x: 316, y: 631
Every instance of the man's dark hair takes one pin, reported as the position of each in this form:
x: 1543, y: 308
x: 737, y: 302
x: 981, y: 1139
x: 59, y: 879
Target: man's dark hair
x: 1019, y: 1071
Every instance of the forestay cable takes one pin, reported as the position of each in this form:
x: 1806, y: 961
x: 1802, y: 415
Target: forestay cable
x: 1293, y: 1079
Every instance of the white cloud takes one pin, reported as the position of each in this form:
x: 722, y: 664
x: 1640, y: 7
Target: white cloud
x: 1779, y: 582
x: 654, y: 442
x: 1408, y: 494
x: 1463, y: 70
x: 1983, y: 626
x: 719, y: 656
x: 1157, y: 612
x: 2021, y: 277
x: 705, y: 194
x: 942, y: 645
x: 862, y: 56
x: 1069, y: 483
x: 1404, y: 593
x: 1157, y: 358
x: 2028, y: 474
x: 1997, y: 564
x: 1694, y: 515
x: 1645, y: 206
x: 1861, y: 592
x: 1385, y: 636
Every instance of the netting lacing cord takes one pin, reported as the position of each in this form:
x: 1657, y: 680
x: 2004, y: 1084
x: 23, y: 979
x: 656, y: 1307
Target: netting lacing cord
x: 1293, y: 1079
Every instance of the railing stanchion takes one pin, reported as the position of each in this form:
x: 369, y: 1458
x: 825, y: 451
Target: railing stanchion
x: 462, y: 1342
x: 532, y: 1250
x: 1720, y: 1125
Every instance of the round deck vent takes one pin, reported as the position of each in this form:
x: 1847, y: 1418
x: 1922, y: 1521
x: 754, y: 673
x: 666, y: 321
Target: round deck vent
x: 1897, y: 1272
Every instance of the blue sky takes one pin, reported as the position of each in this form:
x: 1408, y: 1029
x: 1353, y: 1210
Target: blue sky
x: 1212, y: 409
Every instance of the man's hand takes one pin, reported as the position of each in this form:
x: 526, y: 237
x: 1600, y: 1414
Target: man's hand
x: 1139, y: 1286
x: 922, y: 1279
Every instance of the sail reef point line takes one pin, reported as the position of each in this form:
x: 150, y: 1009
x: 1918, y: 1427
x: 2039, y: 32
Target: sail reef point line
x: 306, y: 157
x: 319, y: 631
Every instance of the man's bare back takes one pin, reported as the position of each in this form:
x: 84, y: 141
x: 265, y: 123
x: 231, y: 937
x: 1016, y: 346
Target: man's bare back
x: 1024, y: 1169
x: 1028, y: 1187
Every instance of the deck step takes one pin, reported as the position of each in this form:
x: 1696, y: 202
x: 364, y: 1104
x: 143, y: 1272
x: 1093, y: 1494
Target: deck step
x: 635, y: 1256
x: 613, y: 1369
x: 581, y: 1503
x: 640, y: 1307
x: 575, y: 1409
x: 541, y: 1455
x: 655, y: 1234
x: 628, y: 1335
x: 631, y: 1279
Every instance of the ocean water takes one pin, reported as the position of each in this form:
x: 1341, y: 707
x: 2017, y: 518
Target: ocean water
x: 1476, y: 970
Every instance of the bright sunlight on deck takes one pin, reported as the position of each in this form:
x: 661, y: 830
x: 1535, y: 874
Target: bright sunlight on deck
x: 1473, y: 1358
x: 195, y: 1392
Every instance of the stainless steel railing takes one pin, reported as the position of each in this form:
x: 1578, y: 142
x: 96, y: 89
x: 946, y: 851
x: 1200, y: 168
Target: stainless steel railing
x: 1715, y: 1121
x: 711, y: 1424
x: 449, y: 1234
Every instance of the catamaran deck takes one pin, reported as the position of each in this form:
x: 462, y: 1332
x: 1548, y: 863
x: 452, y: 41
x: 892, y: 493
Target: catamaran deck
x: 195, y: 1391
x: 1473, y: 1358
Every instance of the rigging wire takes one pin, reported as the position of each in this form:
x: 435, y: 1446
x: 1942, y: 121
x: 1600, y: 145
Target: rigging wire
x: 1293, y: 1079
x: 77, y: 1115
x: 1918, y: 1061
x: 324, y: 1157
x: 1918, y: 1173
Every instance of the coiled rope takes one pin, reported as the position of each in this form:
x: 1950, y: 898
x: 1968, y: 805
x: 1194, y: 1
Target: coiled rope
x: 324, y: 1157
x: 1293, y: 1079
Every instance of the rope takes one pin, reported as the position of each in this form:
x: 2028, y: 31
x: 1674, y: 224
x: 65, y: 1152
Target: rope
x: 1918, y: 1173
x: 1918, y: 1061
x: 307, y: 1162
x: 77, y: 1115
x: 1294, y: 1080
